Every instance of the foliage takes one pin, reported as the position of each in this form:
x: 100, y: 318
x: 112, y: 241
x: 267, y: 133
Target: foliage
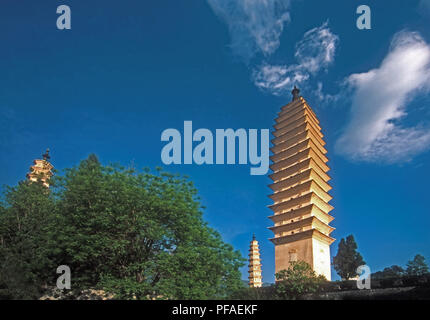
x: 417, y: 266
x: 137, y: 235
x: 297, y: 280
x: 247, y: 293
x: 389, y: 272
x: 26, y: 235
x: 414, y: 268
x: 348, y: 259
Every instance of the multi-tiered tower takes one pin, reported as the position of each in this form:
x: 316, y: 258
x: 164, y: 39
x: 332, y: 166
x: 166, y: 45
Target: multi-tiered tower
x: 300, y: 189
x: 41, y: 169
x: 255, y: 279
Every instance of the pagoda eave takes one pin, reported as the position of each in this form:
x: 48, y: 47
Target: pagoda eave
x: 313, y: 233
x: 309, y: 209
x: 313, y: 222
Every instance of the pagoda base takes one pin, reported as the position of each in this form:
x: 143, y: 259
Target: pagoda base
x: 311, y: 250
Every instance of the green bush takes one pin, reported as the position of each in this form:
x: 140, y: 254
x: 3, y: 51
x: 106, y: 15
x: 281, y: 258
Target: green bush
x: 297, y: 280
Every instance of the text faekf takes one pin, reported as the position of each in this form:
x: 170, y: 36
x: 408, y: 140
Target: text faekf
x: 198, y: 147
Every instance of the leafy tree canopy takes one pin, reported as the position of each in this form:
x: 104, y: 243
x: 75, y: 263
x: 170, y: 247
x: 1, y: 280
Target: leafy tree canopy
x: 137, y: 235
x: 26, y: 240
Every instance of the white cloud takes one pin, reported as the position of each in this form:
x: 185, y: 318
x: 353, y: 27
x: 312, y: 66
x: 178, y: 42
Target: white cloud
x: 255, y: 25
x: 317, y: 48
x: 315, y: 52
x: 278, y: 78
x: 325, y: 97
x: 380, y: 99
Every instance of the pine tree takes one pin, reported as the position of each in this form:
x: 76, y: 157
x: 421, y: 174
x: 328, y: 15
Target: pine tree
x: 348, y: 259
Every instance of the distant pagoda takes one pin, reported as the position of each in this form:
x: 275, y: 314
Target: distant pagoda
x: 300, y: 189
x: 41, y: 170
x: 255, y: 278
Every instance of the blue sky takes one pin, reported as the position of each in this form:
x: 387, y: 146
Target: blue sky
x: 128, y: 70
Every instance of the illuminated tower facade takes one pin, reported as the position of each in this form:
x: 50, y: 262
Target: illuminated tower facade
x: 300, y: 189
x: 41, y: 169
x: 255, y: 278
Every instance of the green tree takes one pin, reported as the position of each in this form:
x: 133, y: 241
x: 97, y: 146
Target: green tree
x: 141, y: 235
x: 348, y: 259
x: 26, y: 246
x: 297, y: 280
x: 417, y: 266
x: 136, y: 235
x: 389, y: 272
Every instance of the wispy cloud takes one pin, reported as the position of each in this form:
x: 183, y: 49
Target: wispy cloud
x: 317, y: 49
x: 380, y: 98
x: 314, y: 53
x: 277, y: 79
x: 255, y: 25
x: 325, y: 97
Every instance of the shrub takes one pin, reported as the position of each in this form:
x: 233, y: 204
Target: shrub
x: 297, y: 280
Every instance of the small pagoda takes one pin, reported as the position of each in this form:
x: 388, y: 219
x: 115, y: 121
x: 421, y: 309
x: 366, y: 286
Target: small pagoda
x: 255, y: 278
x: 41, y: 170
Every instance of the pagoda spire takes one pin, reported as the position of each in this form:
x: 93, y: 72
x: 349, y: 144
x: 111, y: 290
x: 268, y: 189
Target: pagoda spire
x: 41, y: 170
x: 295, y: 93
x: 255, y: 278
x: 46, y: 155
